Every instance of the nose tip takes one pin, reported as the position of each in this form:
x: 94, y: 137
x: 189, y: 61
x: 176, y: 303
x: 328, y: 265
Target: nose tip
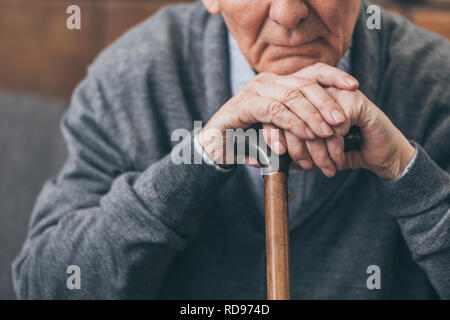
x: 288, y: 13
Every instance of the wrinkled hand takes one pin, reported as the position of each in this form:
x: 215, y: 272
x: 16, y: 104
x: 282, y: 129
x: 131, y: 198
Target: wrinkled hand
x: 298, y: 104
x: 385, y: 150
x: 307, y: 114
x: 324, y: 154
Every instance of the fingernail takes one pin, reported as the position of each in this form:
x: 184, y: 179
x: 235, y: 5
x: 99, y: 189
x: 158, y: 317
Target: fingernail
x: 351, y: 82
x: 310, y: 133
x: 328, y: 172
x: 338, y: 116
x: 326, y: 129
x: 305, y: 164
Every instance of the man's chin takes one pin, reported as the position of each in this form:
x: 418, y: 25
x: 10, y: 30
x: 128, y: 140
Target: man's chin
x: 289, y: 65
x: 292, y: 64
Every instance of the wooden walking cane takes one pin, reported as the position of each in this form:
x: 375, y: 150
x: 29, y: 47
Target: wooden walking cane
x: 277, y: 239
x: 277, y: 230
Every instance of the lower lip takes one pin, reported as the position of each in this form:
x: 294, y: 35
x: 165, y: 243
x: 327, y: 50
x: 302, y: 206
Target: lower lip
x: 297, y: 46
x: 285, y: 52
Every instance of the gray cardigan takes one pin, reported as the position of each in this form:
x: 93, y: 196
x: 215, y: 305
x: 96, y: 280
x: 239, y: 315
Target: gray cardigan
x: 140, y: 226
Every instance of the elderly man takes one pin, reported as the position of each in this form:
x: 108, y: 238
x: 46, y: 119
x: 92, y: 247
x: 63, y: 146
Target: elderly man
x: 139, y: 225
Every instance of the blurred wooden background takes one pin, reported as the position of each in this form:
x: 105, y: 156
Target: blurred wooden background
x: 39, y: 55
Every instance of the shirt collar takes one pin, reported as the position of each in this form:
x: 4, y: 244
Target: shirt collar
x: 242, y: 73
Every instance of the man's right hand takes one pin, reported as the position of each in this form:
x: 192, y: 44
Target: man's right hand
x: 296, y: 103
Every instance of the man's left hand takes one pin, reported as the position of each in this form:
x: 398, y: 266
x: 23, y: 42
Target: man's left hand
x: 385, y: 150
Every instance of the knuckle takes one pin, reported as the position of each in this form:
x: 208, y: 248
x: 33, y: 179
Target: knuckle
x: 292, y: 94
x: 291, y: 122
x: 305, y: 83
x: 299, y: 123
x: 295, y: 122
x: 302, y: 100
x: 316, y: 115
x: 275, y: 108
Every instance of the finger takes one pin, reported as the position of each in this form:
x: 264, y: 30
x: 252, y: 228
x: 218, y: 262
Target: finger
x: 294, y: 99
x: 354, y: 106
x: 298, y: 152
x: 328, y: 76
x: 318, y: 97
x: 265, y: 110
x: 274, y: 138
x: 319, y: 153
x: 335, y: 146
x: 295, y: 166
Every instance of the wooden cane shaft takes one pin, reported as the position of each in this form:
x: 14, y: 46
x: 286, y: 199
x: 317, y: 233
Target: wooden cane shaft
x: 277, y: 236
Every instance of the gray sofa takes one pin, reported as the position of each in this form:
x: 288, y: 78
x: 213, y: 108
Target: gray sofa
x: 31, y: 151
